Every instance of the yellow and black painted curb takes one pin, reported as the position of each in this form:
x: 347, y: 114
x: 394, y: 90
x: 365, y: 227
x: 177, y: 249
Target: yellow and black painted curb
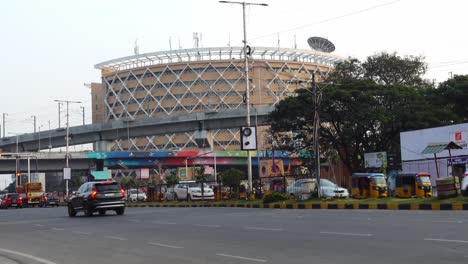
x: 402, y: 206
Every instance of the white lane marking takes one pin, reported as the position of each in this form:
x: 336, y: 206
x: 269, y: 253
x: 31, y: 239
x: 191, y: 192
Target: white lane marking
x: 81, y: 233
x: 345, y: 234
x: 39, y: 225
x: 164, y: 223
x: 263, y: 228
x: 116, y: 238
x: 240, y: 257
x: 135, y: 221
x: 237, y: 214
x: 164, y: 245
x: 456, y: 222
x: 58, y: 228
x: 215, y: 226
x: 29, y: 221
x: 445, y: 240
x: 41, y: 260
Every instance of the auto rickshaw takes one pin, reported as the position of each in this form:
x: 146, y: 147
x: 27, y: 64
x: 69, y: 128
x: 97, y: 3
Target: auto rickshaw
x: 412, y: 184
x: 369, y: 185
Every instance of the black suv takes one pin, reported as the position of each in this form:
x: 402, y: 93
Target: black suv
x: 97, y: 197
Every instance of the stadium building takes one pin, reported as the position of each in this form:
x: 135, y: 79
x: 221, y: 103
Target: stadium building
x: 179, y: 82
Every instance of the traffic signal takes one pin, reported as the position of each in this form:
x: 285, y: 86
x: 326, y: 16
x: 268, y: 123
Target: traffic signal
x: 248, y: 138
x: 18, y: 174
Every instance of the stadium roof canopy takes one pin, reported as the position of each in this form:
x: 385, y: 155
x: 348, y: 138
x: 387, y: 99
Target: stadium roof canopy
x: 219, y: 53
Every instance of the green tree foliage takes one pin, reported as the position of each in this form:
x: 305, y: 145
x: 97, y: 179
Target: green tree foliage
x: 453, y: 95
x: 387, y: 69
x: 232, y: 177
x: 364, y: 108
x: 172, y: 178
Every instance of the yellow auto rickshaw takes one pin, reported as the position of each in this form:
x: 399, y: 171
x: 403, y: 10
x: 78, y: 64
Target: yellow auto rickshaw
x: 369, y: 185
x: 412, y: 184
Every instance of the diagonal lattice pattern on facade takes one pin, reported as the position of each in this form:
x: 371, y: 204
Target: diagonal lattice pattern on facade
x: 201, y: 80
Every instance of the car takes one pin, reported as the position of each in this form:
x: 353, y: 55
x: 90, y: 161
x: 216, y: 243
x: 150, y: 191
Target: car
x: 191, y: 190
x: 464, y: 184
x: 97, y: 196
x: 135, y: 195
x: 11, y: 200
x: 330, y: 189
x: 25, y: 200
x: 303, y: 189
x: 49, y: 199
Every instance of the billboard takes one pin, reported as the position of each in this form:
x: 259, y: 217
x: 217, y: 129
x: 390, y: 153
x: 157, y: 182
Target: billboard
x: 375, y: 160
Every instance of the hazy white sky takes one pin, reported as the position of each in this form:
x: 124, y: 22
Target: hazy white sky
x: 49, y: 47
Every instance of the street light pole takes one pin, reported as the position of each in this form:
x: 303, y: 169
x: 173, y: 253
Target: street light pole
x: 34, y: 121
x: 67, y: 139
x: 39, y: 140
x: 247, y: 88
x: 17, y: 161
x: 83, y: 109
x: 4, y: 116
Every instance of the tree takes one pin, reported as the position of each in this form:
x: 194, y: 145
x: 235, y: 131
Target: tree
x: 453, y: 95
x: 364, y: 108
x: 387, y: 69
x: 201, y: 178
x: 232, y: 178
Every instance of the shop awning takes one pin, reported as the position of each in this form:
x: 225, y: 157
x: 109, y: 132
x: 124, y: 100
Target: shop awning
x: 434, y: 148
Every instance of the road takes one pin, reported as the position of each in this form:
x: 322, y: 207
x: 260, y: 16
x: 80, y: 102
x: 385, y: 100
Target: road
x: 233, y: 235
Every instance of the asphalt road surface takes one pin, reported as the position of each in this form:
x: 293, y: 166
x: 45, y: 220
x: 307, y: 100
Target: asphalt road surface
x: 233, y: 235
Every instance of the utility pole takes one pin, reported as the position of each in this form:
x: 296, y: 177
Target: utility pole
x: 59, y: 108
x: 83, y: 109
x: 67, y: 139
x: 317, y: 98
x: 247, y: 88
x: 34, y: 121
x: 50, y: 141
x: 4, y: 117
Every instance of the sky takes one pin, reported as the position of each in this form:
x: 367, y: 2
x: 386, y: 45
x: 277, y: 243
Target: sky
x: 49, y: 47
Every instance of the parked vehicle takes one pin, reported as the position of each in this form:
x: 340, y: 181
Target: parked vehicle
x: 369, y: 185
x: 191, y: 190
x: 464, y: 184
x: 303, y: 189
x: 136, y: 195
x: 11, y: 200
x: 169, y: 195
x: 413, y: 184
x: 330, y: 189
x: 97, y: 197
x: 49, y: 199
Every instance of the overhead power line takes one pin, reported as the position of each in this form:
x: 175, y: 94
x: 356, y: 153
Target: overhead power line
x: 328, y: 19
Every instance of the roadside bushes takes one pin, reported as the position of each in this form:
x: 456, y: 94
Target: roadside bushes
x: 275, y: 197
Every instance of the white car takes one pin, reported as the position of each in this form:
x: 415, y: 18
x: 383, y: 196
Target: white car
x: 329, y: 189
x: 303, y: 189
x: 464, y: 184
x: 191, y: 190
x: 134, y: 195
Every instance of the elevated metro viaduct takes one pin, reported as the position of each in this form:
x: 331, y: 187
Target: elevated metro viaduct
x: 103, y: 133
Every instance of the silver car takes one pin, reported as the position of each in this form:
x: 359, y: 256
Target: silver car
x: 191, y: 190
x: 303, y: 189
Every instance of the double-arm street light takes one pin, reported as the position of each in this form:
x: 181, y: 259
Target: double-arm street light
x: 247, y: 88
x: 67, y: 138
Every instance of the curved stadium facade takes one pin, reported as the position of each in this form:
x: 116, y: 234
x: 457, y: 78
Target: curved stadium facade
x: 178, y: 82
